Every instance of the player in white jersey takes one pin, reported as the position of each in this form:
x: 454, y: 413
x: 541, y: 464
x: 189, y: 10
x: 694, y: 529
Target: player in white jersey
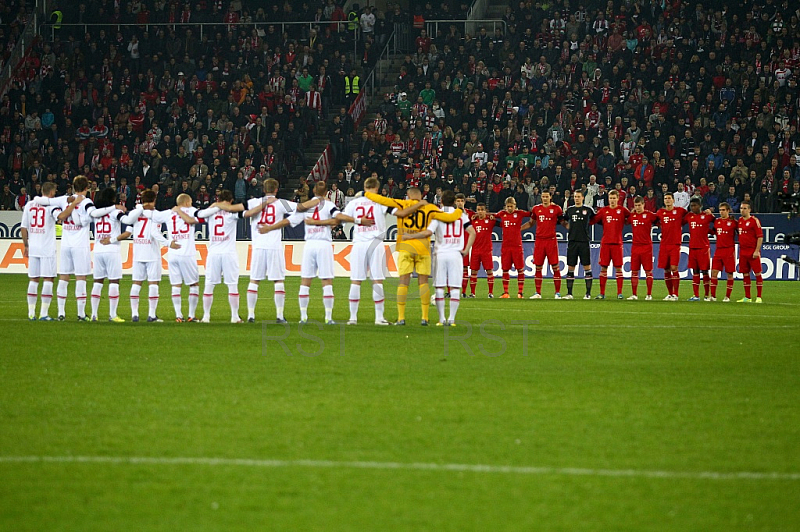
x: 108, y: 233
x: 38, y: 230
x: 147, y: 243
x: 181, y: 261
x: 449, y: 249
x: 222, y: 261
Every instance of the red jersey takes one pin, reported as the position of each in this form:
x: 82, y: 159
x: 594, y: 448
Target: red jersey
x: 726, y: 234
x: 613, y: 220
x: 671, y: 225
x: 483, y: 235
x: 546, y: 219
x: 641, y: 227
x: 749, y: 233
x: 510, y: 222
x: 699, y: 228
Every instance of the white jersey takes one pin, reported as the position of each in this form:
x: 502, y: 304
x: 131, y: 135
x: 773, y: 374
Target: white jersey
x: 108, y: 226
x: 324, y: 211
x: 147, y: 238
x: 222, y: 232
x: 272, y: 214
x: 75, y: 229
x: 449, y: 236
x: 41, y: 225
x: 365, y: 208
x: 179, y: 231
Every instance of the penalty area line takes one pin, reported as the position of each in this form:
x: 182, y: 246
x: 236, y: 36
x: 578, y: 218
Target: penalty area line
x: 410, y: 466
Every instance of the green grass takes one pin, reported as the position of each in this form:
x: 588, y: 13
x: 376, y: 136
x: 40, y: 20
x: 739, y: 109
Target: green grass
x: 605, y: 385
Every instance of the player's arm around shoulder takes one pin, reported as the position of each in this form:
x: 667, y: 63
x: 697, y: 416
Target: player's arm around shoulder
x: 448, y: 217
x: 383, y: 200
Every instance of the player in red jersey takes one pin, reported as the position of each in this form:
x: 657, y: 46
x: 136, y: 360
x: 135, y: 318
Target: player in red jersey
x: 460, y: 201
x: 510, y: 219
x: 546, y: 217
x: 669, y: 253
x: 613, y: 219
x: 751, y: 237
x: 482, y: 249
x: 725, y: 252
x: 642, y: 222
x: 699, y: 247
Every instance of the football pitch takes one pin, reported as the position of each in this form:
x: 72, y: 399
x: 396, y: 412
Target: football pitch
x: 529, y: 415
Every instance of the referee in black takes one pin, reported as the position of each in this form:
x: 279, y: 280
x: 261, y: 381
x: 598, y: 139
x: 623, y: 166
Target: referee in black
x: 577, y: 220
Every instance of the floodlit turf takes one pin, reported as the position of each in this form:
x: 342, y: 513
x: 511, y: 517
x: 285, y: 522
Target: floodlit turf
x: 623, y: 415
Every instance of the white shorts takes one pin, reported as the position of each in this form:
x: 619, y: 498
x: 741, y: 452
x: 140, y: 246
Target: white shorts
x: 75, y: 261
x: 41, y: 267
x: 107, y: 266
x: 267, y: 264
x: 183, y: 270
x: 147, y: 271
x: 317, y: 260
x: 219, y: 266
x: 368, y: 257
x: 449, y: 268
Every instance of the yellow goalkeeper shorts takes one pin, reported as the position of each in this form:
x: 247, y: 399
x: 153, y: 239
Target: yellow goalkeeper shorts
x: 408, y: 262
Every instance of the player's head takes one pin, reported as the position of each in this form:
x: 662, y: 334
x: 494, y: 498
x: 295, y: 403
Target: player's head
x: 183, y: 200
x: 638, y: 204
x: 372, y: 184
x: 148, y: 199
x: 577, y: 196
x: 271, y: 186
x: 724, y: 209
x: 80, y: 184
x: 695, y: 205
x: 669, y: 200
x: 448, y: 198
x: 613, y: 198
x: 49, y: 189
x: 461, y: 199
x: 225, y: 195
x: 511, y: 205
x: 481, y: 210
x: 414, y: 193
x: 320, y: 189
x: 745, y: 207
x: 106, y: 198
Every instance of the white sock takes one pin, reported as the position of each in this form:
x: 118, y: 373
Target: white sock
x: 194, y: 298
x: 33, y: 296
x: 303, y: 301
x: 455, y: 300
x: 97, y: 291
x: 440, y: 303
x: 252, y: 299
x: 61, y: 293
x: 113, y: 299
x: 355, y: 296
x: 208, y: 300
x: 327, y: 301
x: 176, y: 301
x: 80, y: 296
x: 377, y: 298
x: 135, y: 289
x: 153, y: 301
x: 280, y: 299
x: 47, y: 297
x: 233, y: 300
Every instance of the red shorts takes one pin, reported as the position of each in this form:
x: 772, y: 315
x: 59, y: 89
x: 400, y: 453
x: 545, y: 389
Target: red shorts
x: 512, y: 256
x: 481, y: 258
x: 641, y: 257
x: 747, y: 263
x: 668, y: 256
x: 699, y: 260
x: 611, y: 253
x: 545, y: 249
x: 724, y: 263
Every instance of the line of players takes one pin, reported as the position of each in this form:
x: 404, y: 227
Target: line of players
x: 578, y: 219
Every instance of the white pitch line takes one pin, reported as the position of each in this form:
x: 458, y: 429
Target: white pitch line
x: 412, y: 466
x: 645, y: 307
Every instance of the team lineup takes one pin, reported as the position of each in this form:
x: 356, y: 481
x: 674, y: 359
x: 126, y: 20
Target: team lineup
x: 462, y: 246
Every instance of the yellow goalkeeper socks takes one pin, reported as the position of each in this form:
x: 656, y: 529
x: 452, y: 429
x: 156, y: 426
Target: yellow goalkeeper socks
x: 425, y: 300
x: 402, y: 294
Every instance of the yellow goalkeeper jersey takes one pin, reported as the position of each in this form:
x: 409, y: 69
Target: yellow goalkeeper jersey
x: 415, y: 222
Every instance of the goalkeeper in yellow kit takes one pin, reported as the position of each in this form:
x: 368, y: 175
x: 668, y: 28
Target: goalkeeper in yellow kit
x: 414, y: 254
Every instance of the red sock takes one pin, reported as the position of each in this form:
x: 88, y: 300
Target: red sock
x: 759, y: 284
x: 520, y: 281
x: 557, y: 280
x: 714, y: 282
x: 505, y: 281
x: 473, y: 282
x: 649, y: 281
x: 603, y: 281
x: 676, y: 283
x: 634, y: 284
x: 464, y: 280
x: 538, y: 281
x: 620, y: 279
x: 696, y: 284
x: 706, y: 284
x: 729, y: 287
x: 746, y: 285
x: 668, y: 280
x: 490, y: 280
